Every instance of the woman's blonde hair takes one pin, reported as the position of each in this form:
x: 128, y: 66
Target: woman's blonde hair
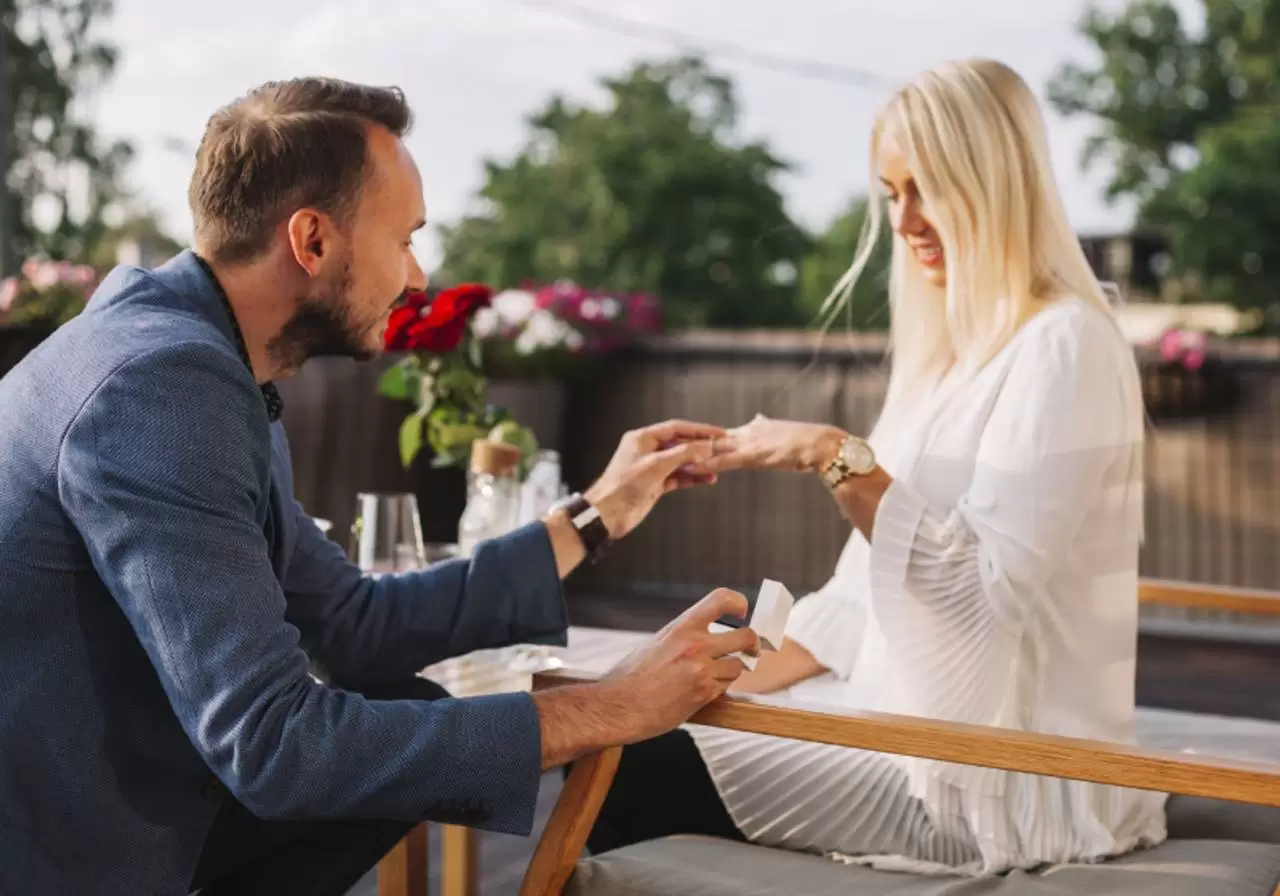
x: 976, y: 145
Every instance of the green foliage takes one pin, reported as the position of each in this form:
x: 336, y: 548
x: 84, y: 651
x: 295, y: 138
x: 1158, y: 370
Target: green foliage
x: 55, y: 55
x: 1222, y: 215
x: 831, y: 257
x: 449, y: 413
x: 652, y: 193
x: 1188, y: 121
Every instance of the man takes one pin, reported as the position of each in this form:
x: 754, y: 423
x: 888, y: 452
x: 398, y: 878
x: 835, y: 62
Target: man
x: 163, y: 597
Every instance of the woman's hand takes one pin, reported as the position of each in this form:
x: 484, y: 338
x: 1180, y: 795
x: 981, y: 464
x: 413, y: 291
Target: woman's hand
x: 765, y: 444
x: 774, y: 671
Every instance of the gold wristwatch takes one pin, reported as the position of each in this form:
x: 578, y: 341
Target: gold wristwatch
x: 855, y: 458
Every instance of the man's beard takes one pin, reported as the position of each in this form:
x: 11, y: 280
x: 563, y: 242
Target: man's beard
x: 322, y: 326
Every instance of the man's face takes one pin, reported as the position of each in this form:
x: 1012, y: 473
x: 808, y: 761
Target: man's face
x: 365, y: 268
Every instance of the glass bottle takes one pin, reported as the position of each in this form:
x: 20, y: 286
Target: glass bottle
x: 493, y: 494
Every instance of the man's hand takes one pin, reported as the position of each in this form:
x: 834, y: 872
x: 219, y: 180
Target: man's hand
x: 649, y: 463
x: 655, y: 689
x: 685, y: 667
x: 767, y: 444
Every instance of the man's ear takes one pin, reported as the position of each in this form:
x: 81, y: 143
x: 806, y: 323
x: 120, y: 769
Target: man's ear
x: 311, y: 239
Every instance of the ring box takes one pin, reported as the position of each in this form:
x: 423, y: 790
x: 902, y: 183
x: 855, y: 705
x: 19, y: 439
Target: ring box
x: 768, y: 618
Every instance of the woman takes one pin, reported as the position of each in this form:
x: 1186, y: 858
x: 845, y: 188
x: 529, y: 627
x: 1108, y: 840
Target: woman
x: 991, y: 576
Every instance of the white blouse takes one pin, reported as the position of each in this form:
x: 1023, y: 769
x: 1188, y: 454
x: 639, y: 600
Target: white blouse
x: 999, y: 588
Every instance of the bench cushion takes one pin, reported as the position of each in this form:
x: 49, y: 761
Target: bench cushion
x: 699, y: 866
x: 1194, y: 818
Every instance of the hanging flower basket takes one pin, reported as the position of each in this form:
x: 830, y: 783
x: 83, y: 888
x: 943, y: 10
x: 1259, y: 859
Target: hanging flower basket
x: 1184, y: 381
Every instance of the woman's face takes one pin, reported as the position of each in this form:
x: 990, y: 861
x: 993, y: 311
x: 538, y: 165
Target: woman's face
x: 906, y: 210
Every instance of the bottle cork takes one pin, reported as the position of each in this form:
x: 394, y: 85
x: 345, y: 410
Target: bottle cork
x: 494, y: 458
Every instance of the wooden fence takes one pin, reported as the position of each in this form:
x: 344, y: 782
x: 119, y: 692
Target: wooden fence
x: 1212, y: 473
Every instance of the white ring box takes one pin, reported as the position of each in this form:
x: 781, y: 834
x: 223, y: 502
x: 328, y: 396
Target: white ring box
x: 768, y: 619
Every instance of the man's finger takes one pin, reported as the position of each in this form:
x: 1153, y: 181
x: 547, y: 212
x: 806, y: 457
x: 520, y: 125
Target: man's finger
x: 690, y: 455
x: 681, y: 431
x: 724, y: 460
x: 684, y: 479
x: 721, y: 602
x: 735, y: 640
x: 727, y: 670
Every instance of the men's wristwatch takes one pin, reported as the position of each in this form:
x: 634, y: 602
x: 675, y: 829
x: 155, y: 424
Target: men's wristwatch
x: 586, y: 521
x: 855, y: 458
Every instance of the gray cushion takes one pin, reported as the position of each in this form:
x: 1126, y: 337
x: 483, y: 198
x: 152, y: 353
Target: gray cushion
x: 698, y: 866
x: 1194, y: 818
x: 1209, y: 735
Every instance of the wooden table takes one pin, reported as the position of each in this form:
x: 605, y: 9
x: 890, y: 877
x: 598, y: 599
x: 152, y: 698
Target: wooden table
x: 404, y: 870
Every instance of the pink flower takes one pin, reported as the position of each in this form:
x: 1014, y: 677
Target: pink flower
x: 1193, y: 360
x: 1170, y: 345
x: 8, y: 292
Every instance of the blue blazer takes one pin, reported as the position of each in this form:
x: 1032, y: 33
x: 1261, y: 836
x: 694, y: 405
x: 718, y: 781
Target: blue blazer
x: 162, y: 599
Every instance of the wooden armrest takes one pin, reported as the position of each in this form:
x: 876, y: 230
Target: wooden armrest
x: 1060, y: 757
x: 1158, y: 592
x: 1001, y: 748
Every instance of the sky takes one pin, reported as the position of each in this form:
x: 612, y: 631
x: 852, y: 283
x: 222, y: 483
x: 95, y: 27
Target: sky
x: 474, y: 69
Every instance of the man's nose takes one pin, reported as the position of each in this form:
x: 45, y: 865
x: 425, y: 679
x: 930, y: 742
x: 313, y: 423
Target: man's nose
x: 418, y: 280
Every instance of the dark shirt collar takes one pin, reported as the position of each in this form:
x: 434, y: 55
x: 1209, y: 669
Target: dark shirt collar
x: 211, y: 300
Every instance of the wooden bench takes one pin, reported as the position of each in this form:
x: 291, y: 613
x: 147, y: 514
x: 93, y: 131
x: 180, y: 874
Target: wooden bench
x: 559, y: 850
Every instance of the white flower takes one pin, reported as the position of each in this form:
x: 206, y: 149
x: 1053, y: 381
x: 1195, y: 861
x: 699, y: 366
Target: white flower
x: 485, y: 323
x: 610, y: 308
x: 43, y: 274
x: 546, y: 331
x: 590, y: 309
x: 514, y: 306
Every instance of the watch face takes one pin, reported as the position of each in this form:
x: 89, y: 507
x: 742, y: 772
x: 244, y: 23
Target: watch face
x: 859, y: 457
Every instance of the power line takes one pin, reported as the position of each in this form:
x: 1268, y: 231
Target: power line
x: 599, y: 20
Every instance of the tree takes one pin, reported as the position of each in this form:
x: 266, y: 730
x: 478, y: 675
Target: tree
x: 1189, y: 124
x: 52, y: 156
x: 651, y: 193
x: 831, y: 256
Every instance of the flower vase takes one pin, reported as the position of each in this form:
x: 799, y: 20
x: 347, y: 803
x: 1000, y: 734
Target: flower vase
x: 442, y: 496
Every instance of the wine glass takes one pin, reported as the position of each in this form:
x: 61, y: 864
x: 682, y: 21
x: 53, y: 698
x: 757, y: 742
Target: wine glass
x: 386, y: 536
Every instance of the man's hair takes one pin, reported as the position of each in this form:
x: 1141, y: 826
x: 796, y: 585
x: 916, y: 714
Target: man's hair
x: 286, y: 145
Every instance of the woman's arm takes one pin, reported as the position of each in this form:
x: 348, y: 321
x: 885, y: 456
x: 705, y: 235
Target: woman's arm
x: 781, y: 669
x: 1063, y: 435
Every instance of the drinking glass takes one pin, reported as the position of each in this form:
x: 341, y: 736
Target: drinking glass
x: 386, y: 536
x: 542, y: 487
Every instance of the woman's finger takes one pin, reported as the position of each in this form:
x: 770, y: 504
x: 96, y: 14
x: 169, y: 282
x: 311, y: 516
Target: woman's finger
x: 689, y: 479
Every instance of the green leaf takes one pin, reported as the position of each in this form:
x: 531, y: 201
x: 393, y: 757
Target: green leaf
x: 395, y: 382
x: 410, y: 438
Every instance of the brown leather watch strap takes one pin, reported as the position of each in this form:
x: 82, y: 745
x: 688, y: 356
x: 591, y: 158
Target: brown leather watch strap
x: 587, y: 523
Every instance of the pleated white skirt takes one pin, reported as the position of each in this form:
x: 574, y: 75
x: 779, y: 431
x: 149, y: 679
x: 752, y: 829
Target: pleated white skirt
x: 847, y: 804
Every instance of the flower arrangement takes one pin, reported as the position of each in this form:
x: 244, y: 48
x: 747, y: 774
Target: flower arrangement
x: 1185, y: 381
x: 550, y: 331
x: 46, y: 292
x: 452, y: 341
x: 1186, y: 348
x: 441, y: 374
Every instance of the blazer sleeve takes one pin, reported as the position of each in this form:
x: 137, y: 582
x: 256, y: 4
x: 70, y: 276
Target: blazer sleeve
x: 164, y: 473
x: 365, y: 630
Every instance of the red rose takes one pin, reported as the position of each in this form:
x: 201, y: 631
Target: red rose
x: 396, y: 338
x: 462, y: 301
x: 444, y: 325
